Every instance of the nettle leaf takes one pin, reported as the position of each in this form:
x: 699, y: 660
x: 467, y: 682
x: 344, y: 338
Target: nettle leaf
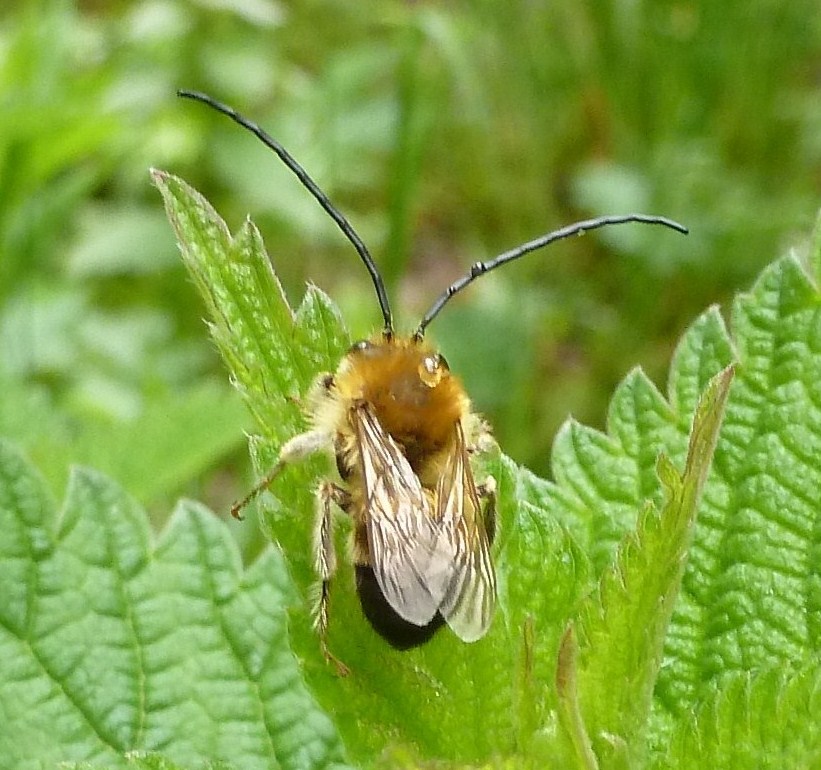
x: 111, y: 643
x: 605, y: 681
x: 661, y: 604
x: 750, y: 597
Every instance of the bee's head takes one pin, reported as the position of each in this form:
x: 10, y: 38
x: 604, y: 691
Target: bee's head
x: 409, y: 385
x: 408, y: 371
x: 410, y: 355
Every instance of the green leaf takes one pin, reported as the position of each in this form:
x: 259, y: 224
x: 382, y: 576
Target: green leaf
x: 273, y: 353
x: 111, y: 643
x: 623, y: 626
x: 749, y: 597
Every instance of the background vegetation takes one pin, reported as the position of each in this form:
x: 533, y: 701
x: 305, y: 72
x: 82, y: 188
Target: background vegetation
x: 448, y: 132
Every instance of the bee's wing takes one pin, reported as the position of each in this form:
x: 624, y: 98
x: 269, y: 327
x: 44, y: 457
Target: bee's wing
x: 470, y: 598
x: 411, y: 560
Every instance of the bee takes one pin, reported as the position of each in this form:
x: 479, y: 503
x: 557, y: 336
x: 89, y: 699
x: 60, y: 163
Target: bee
x: 402, y: 430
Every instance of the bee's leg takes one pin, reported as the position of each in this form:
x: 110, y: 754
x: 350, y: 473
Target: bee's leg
x: 293, y: 450
x: 487, y: 491
x: 297, y: 448
x: 325, y: 561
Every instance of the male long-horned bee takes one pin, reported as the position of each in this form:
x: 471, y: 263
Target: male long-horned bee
x: 402, y: 430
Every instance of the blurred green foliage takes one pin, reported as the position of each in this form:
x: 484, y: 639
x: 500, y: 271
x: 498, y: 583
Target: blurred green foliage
x: 447, y: 132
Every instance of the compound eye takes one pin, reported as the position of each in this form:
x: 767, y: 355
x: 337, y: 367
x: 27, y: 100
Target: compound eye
x: 431, y: 369
x: 436, y: 361
x: 360, y: 347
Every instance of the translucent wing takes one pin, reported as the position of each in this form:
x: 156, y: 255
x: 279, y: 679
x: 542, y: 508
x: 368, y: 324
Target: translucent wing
x: 470, y: 599
x: 411, y: 559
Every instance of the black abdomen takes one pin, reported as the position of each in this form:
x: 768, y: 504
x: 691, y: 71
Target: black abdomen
x: 391, y: 626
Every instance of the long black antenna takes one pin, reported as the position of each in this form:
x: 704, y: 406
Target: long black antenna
x: 313, y: 188
x: 480, y: 268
